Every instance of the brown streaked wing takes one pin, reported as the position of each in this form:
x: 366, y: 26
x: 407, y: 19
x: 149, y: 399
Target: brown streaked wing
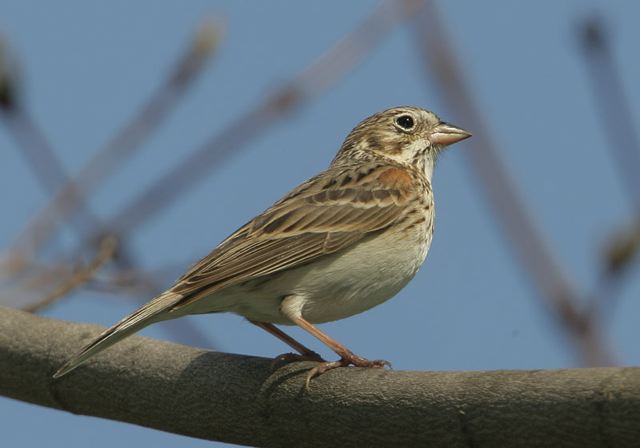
x: 312, y: 222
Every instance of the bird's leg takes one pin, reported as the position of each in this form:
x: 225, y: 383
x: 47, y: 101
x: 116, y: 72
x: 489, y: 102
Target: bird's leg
x: 347, y: 357
x: 305, y: 352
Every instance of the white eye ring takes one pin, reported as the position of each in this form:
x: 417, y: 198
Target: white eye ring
x: 405, y: 122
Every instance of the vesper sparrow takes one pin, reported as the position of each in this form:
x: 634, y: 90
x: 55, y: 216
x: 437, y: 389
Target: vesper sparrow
x: 342, y: 242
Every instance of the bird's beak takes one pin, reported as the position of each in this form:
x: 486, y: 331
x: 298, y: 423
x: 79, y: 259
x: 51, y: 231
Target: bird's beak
x: 447, y: 134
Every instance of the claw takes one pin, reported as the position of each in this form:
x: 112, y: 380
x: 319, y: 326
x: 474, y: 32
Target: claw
x: 345, y: 361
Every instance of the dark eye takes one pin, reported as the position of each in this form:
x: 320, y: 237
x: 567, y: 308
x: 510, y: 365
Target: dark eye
x: 405, y: 122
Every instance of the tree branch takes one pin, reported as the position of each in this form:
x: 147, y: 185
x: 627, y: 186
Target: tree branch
x: 259, y: 402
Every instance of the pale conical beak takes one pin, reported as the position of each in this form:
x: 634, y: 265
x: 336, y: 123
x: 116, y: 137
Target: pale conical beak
x: 447, y: 134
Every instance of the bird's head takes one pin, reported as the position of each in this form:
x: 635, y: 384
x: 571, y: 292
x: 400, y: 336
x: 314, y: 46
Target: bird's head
x: 408, y: 135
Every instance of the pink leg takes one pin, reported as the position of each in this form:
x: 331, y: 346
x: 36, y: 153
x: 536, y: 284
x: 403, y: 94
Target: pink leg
x: 306, y: 352
x: 347, y: 357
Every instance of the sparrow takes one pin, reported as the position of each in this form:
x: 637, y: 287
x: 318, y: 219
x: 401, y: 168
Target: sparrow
x: 342, y: 242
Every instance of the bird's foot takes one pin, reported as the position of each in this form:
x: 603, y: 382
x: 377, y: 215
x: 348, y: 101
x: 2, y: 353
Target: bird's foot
x: 348, y: 359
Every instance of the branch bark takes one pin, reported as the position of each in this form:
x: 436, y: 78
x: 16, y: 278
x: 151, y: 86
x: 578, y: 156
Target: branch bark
x: 259, y: 402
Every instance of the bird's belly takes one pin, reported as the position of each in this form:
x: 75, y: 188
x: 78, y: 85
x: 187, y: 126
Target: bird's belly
x: 335, y: 286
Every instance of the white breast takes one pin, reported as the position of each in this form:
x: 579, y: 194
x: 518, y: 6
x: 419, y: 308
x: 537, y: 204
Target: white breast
x: 333, y: 287
x: 361, y: 278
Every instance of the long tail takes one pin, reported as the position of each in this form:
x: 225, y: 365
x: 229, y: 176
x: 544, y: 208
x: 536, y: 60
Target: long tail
x: 146, y: 315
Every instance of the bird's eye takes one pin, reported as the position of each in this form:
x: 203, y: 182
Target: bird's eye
x: 405, y: 122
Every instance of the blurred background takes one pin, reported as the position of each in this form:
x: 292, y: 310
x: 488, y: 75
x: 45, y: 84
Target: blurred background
x: 136, y: 136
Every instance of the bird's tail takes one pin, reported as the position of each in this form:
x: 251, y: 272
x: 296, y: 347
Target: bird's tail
x: 146, y: 315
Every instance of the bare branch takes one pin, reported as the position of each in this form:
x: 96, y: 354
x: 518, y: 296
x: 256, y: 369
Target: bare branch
x: 123, y: 145
x: 624, y: 146
x: 58, y: 279
x: 618, y: 257
x: 612, y: 106
x: 44, y: 162
x: 319, y: 76
x: 47, y: 168
x: 531, y: 249
x: 252, y: 401
x: 80, y: 275
x: 9, y: 76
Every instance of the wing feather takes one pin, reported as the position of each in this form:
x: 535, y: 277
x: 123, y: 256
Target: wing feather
x: 319, y: 218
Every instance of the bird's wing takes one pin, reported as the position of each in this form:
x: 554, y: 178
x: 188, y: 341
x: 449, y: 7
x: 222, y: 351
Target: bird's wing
x: 328, y: 213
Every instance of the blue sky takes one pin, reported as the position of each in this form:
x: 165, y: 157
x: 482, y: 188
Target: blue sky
x: 87, y: 66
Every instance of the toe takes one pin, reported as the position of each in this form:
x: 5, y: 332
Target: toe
x: 322, y: 368
x: 363, y: 362
x: 345, y: 361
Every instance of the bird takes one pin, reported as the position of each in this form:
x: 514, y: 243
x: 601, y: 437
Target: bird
x: 340, y: 243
